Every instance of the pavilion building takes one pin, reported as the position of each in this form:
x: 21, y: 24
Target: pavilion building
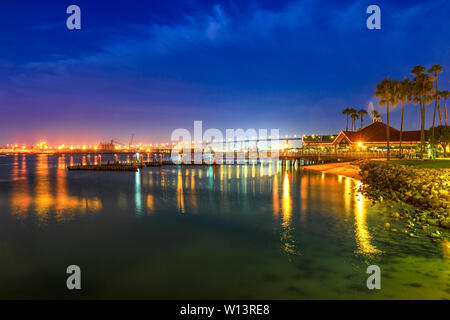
x: 371, y: 137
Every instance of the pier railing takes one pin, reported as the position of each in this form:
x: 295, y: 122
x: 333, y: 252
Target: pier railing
x: 337, y: 155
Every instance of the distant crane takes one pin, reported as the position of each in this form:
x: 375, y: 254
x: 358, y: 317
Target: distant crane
x: 111, y: 145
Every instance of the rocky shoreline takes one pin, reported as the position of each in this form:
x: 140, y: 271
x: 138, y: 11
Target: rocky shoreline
x: 421, y: 196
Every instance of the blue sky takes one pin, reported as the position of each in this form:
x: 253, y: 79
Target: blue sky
x: 151, y: 67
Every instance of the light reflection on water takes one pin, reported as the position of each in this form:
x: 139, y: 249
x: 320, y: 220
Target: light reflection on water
x: 47, y: 195
x: 362, y: 234
x: 20, y: 198
x: 287, y: 222
x: 180, y: 192
x: 137, y: 192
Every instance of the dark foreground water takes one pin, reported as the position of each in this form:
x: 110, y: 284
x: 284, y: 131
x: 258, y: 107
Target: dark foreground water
x: 198, y: 232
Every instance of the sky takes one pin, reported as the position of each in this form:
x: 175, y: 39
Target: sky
x: 150, y: 67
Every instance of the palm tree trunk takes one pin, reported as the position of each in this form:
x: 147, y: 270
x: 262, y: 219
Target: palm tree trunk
x: 434, y: 117
x: 361, y: 120
x: 401, y: 129
x: 445, y: 110
x: 346, y: 129
x: 387, y: 134
x: 422, y: 126
x: 439, y: 111
x: 432, y: 130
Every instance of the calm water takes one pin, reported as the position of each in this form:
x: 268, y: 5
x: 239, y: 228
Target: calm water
x: 198, y: 232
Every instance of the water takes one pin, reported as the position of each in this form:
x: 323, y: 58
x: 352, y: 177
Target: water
x: 197, y: 232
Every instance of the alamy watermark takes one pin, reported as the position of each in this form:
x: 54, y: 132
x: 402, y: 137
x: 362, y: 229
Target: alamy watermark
x: 374, y: 20
x: 374, y: 280
x: 74, y: 20
x: 236, y: 146
x: 74, y: 280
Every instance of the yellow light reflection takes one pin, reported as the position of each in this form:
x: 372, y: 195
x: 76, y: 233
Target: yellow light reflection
x: 20, y: 198
x: 180, y: 199
x: 192, y: 182
x: 62, y: 198
x: 193, y: 193
x: 287, y: 239
x: 47, y: 198
x: 150, y: 203
x: 286, y: 202
x: 43, y: 197
x: 66, y: 205
x: 361, y: 229
x: 304, y: 183
x: 347, y: 196
x: 275, y: 197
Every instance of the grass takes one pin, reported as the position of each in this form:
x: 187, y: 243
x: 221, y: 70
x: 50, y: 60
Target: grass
x: 433, y: 164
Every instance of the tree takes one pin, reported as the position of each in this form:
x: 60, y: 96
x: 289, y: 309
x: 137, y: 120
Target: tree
x: 386, y: 92
x: 375, y: 113
x: 442, y: 137
x: 444, y: 95
x: 352, y: 112
x: 435, y: 70
x: 362, y: 112
x: 354, y: 118
x: 437, y: 96
x: 422, y: 87
x: 347, y: 112
x: 404, y: 95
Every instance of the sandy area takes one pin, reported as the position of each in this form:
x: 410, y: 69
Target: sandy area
x: 342, y: 168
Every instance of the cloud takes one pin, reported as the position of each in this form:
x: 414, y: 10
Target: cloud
x: 230, y: 60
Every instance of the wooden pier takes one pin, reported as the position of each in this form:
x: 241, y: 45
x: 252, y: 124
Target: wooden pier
x: 131, y: 166
x: 171, y: 163
x: 104, y: 167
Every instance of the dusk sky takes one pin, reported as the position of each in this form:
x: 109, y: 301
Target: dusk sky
x: 149, y: 67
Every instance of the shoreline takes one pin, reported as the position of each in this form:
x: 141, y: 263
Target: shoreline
x: 346, y: 169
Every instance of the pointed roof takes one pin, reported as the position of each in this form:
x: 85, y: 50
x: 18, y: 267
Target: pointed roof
x: 376, y: 132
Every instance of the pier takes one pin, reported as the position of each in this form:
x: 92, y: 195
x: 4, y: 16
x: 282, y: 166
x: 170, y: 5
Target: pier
x: 104, y: 167
x: 293, y: 158
x: 119, y: 166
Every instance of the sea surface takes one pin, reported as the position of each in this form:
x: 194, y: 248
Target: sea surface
x: 180, y: 232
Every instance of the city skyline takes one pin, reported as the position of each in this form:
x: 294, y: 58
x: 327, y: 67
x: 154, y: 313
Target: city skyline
x: 148, y: 69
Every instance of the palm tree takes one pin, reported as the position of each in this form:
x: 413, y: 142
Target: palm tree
x: 435, y: 70
x: 386, y: 92
x: 444, y: 95
x: 422, y: 87
x: 352, y: 112
x: 362, y: 112
x: 375, y: 113
x: 347, y: 112
x: 404, y: 95
x: 354, y: 118
x: 437, y: 96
